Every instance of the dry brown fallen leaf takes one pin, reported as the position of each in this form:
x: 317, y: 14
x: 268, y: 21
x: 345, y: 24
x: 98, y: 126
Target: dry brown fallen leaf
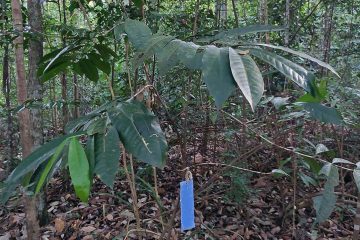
x: 87, y: 229
x: 59, y: 225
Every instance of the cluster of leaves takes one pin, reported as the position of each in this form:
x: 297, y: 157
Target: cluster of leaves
x: 128, y: 123
x: 223, y: 68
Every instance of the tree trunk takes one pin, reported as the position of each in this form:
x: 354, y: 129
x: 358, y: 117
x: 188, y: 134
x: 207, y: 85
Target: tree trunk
x: 6, y: 92
x: 328, y: 17
x: 287, y: 22
x: 236, y: 15
x: 264, y: 17
x: 35, y: 54
x: 24, y: 118
x: 76, y: 98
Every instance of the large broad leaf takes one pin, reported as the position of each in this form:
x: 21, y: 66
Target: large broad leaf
x: 325, y: 203
x: 216, y: 73
x: 56, y: 68
x: 323, y: 113
x: 79, y: 169
x: 295, y: 72
x: 356, y: 175
x: 140, y: 132
x: 190, y: 55
x: 247, y: 30
x: 167, y: 57
x: 138, y: 33
x: 303, y: 55
x: 74, y: 125
x: 107, y: 161
x: 89, y: 69
x: 101, y: 64
x: 155, y: 44
x: 247, y: 76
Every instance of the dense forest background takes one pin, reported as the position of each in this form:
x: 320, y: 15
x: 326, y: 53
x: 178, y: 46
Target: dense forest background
x: 106, y: 106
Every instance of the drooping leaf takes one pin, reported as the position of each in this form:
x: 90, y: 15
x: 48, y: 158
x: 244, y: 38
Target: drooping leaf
x: 49, y: 166
x: 307, y: 180
x: 356, y: 175
x: 190, y: 55
x: 96, y: 126
x: 295, y: 72
x: 247, y: 76
x: 138, y: 33
x: 99, y: 62
x: 303, y: 55
x: 216, y: 74
x: 90, y: 153
x: 167, y: 56
x: 280, y: 172
x: 140, y: 132
x: 89, y: 69
x: 56, y: 68
x: 74, y: 125
x: 155, y: 44
x: 107, y: 161
x: 105, y: 52
x: 323, y: 113
x: 79, y: 169
x: 236, y: 32
x: 341, y: 160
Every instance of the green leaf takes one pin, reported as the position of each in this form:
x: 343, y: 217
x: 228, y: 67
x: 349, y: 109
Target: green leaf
x: 74, y: 125
x: 89, y: 69
x: 216, y: 73
x: 247, y: 76
x: 79, y: 170
x: 303, y: 55
x: 322, y: 113
x: 190, y: 55
x: 100, y: 63
x: 236, y: 32
x: 279, y: 102
x: 356, y: 175
x: 138, y: 3
x: 340, y: 160
x: 90, y: 153
x: 107, y: 161
x: 49, y: 166
x: 155, y: 44
x: 295, y: 72
x: 140, y: 132
x: 307, y: 180
x: 321, y: 148
x: 105, y: 52
x: 167, y: 57
x: 279, y: 171
x: 138, y: 33
x: 325, y: 203
x: 96, y: 126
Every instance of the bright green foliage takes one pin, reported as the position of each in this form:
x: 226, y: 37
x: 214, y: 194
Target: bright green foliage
x: 79, y: 169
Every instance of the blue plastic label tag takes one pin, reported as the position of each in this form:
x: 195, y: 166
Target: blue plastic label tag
x: 187, y: 205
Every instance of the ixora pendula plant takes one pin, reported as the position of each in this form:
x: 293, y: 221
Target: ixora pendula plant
x: 131, y: 124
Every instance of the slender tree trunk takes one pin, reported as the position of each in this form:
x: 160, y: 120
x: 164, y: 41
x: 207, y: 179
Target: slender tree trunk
x: 65, y: 110
x: 328, y: 22
x: 76, y: 98
x: 24, y: 118
x: 33, y: 229
x: 264, y: 17
x: 236, y: 15
x: 6, y: 92
x: 287, y: 22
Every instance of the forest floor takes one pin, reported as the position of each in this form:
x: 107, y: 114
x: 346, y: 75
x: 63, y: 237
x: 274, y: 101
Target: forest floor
x: 229, y: 205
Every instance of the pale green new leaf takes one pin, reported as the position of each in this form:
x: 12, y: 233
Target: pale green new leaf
x: 341, y: 160
x: 247, y: 76
x: 303, y: 55
x: 216, y: 74
x: 79, y: 170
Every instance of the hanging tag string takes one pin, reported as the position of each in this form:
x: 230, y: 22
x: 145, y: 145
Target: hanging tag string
x: 188, y: 174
